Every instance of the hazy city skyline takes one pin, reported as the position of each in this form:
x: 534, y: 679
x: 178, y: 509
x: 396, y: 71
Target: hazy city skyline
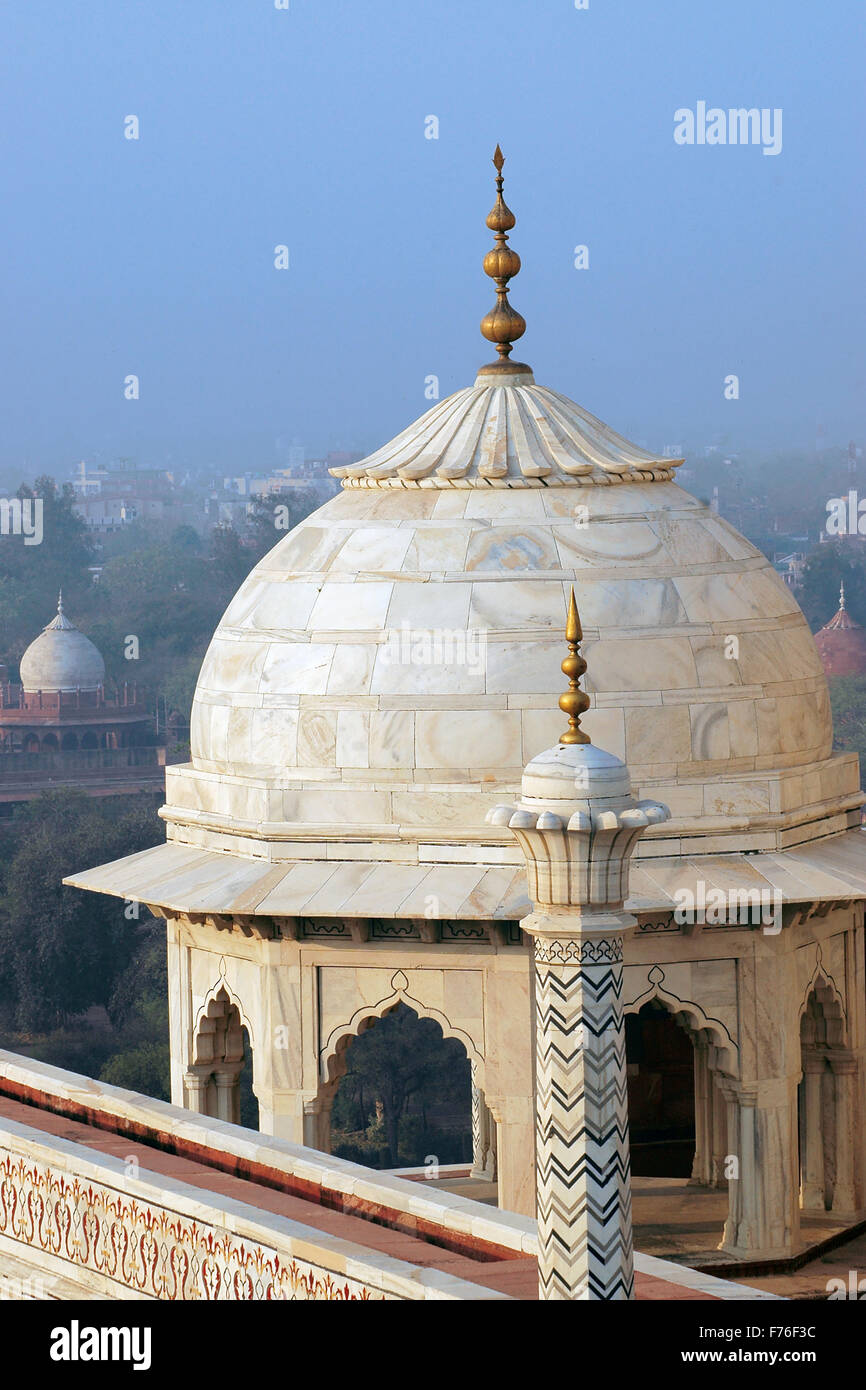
x: 307, y: 128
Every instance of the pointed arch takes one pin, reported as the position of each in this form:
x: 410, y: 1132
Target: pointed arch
x: 232, y: 997
x: 724, y: 1050
x: 822, y: 986
x: 333, y: 1051
x: 221, y: 1051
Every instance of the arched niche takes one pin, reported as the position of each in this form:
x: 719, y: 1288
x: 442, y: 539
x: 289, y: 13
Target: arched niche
x: 826, y: 1102
x: 219, y: 1080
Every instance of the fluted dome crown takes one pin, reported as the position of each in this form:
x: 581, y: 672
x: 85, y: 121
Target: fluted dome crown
x: 61, y: 658
x: 506, y: 431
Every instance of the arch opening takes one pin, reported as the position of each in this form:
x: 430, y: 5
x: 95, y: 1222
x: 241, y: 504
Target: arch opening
x: 399, y: 1094
x: 660, y: 1063
x: 220, y: 1081
x: 824, y: 1105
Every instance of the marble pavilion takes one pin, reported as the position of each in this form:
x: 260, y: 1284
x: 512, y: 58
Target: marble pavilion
x: 377, y: 687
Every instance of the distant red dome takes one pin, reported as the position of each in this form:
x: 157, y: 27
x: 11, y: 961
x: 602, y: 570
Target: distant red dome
x: 841, y: 643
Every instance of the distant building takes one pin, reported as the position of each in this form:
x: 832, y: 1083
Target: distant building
x: 107, y: 499
x: 790, y: 568
x: 226, y: 509
x: 59, y: 727
x: 841, y: 643
x: 303, y: 474
x: 143, y: 482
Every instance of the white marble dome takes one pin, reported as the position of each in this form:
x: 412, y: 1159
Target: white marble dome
x: 389, y: 668
x: 61, y: 658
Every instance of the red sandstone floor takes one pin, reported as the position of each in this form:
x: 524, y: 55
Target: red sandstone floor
x: 515, y: 1276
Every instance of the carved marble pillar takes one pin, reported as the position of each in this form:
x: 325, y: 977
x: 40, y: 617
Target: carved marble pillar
x: 763, y: 1210
x: 482, y: 1149
x: 729, y: 1092
x: 324, y: 1144
x: 721, y: 1147
x: 812, y: 1156
x: 577, y: 825
x: 844, y: 1068
x: 228, y: 1098
x: 509, y: 1013
x: 748, y: 1236
x: 317, y: 1123
x: 703, y: 1159
x: 492, y: 1156
x: 581, y: 1116
x: 195, y: 1086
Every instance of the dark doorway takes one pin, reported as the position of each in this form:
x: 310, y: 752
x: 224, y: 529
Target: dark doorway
x: 661, y: 1093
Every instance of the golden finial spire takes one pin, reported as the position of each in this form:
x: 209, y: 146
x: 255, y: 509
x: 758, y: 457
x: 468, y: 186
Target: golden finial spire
x: 574, y: 702
x: 503, y: 325
x: 842, y: 593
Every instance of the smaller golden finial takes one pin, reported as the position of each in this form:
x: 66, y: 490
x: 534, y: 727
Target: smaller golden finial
x: 575, y: 701
x: 503, y: 325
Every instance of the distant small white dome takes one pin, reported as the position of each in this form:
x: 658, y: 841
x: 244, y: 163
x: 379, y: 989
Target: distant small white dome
x: 61, y: 658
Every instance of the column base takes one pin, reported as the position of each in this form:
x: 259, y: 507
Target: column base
x: 813, y: 1202
x: 847, y: 1214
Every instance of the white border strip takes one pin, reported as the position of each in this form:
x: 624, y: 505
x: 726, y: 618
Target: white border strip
x: 689, y: 1278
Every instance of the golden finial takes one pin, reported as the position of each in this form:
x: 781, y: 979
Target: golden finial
x: 503, y: 325
x: 574, y: 702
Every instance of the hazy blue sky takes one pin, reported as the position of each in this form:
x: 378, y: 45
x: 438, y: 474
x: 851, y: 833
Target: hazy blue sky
x: 260, y: 126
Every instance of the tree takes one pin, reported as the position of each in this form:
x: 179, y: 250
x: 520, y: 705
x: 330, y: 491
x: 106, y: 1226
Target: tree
x: 170, y: 595
x: 186, y: 538
x: 143, y: 1068
x: 62, y: 950
x: 179, y: 686
x: 848, y: 703
x: 231, y: 559
x: 402, y: 1057
x: 32, y: 574
x: 289, y: 507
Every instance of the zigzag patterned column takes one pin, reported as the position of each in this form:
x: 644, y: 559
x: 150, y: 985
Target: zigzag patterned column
x: 581, y: 1125
x: 577, y: 824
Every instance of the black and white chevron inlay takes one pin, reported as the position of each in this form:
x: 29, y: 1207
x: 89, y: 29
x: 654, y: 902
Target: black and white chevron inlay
x: 582, y: 1153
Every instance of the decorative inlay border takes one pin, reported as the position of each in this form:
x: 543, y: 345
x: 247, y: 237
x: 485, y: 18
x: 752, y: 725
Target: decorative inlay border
x: 666, y: 924
x: 632, y: 475
x: 147, y: 1248
x: 552, y: 950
